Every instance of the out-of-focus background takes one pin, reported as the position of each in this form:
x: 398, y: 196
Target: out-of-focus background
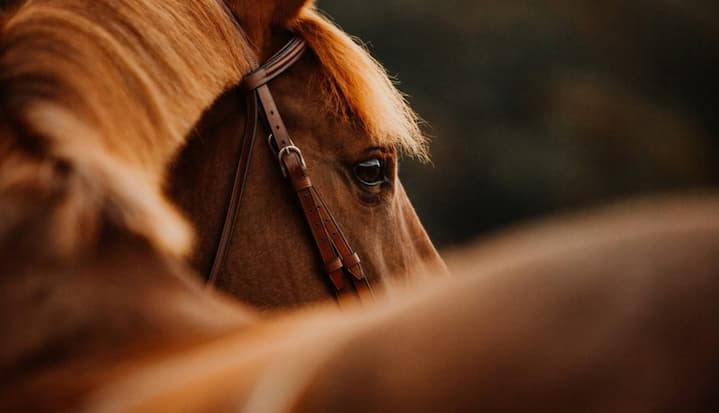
x: 538, y: 107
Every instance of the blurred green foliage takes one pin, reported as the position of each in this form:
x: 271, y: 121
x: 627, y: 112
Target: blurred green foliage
x: 543, y: 106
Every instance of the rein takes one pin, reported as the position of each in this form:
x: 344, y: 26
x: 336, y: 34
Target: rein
x: 340, y: 262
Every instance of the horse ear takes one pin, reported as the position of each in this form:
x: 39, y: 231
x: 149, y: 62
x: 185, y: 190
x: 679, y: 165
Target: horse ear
x: 258, y: 17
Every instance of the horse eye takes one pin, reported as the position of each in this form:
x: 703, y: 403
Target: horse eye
x: 370, y: 172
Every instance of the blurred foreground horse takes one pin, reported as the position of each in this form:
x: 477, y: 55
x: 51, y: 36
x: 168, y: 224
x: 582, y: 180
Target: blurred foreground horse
x: 100, y: 313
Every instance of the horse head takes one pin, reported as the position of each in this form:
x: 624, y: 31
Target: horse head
x: 352, y: 125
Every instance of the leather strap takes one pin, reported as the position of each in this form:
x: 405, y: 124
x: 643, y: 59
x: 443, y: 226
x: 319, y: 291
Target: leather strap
x: 340, y: 261
x: 275, y: 65
x: 238, y: 187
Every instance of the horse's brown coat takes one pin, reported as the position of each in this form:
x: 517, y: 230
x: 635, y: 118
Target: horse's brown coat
x: 612, y: 312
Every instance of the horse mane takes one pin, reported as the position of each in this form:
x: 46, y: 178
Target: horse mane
x: 102, y: 105
x: 357, y: 85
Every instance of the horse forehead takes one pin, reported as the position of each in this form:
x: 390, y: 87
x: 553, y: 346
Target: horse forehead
x: 309, y: 115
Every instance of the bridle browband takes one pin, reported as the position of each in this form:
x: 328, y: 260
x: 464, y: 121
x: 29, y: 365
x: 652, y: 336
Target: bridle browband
x: 340, y: 262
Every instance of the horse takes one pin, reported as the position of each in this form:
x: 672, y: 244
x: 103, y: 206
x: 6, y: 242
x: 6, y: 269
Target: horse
x: 101, y: 312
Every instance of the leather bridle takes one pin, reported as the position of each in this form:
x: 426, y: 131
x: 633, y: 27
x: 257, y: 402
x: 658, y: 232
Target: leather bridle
x: 340, y: 262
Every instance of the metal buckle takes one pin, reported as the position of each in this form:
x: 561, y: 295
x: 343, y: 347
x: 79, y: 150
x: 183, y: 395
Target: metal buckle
x: 284, y: 151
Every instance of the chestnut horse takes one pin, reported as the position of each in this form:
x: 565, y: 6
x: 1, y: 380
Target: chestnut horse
x: 99, y: 312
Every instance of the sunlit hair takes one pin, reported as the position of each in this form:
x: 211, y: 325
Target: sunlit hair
x: 140, y: 76
x: 357, y: 85
x: 112, y: 100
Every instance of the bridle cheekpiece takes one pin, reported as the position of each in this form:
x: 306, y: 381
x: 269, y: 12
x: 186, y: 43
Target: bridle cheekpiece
x: 340, y: 262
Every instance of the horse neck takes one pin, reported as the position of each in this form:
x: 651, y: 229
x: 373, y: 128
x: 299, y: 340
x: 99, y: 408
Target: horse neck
x: 201, y: 178
x: 121, y: 294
